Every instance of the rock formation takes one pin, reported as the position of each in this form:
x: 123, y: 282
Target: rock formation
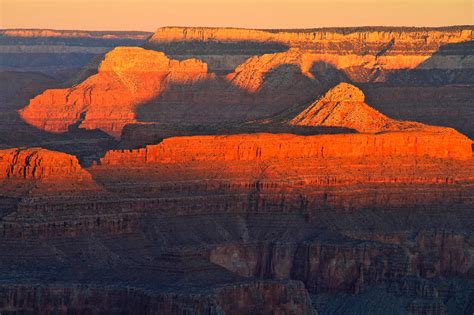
x: 268, y: 147
x: 251, y: 86
x: 37, y: 163
x: 344, y: 106
x: 126, y: 78
x: 430, y: 39
x: 54, y: 170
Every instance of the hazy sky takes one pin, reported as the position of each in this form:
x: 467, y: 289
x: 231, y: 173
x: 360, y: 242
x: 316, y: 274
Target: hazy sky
x: 150, y: 14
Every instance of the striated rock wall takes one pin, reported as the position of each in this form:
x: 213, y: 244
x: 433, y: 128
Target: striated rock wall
x: 337, y: 265
x: 38, y: 163
x: 447, y: 144
x: 423, y: 39
x: 364, y: 54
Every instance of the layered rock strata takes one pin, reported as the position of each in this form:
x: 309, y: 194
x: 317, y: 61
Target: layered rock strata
x: 364, y: 54
x: 23, y: 168
x: 38, y: 163
x: 273, y: 147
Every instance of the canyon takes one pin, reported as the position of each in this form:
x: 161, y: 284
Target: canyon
x: 230, y: 171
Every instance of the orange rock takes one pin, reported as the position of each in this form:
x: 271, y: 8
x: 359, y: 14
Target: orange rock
x: 285, y: 146
x: 38, y: 164
x: 126, y: 78
x: 402, y: 36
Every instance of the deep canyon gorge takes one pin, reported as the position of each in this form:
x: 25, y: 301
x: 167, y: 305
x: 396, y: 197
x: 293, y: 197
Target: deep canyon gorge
x: 237, y: 171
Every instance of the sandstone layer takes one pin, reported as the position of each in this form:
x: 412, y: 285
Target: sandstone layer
x: 267, y: 147
x: 41, y: 169
x: 404, y: 37
x: 37, y: 163
x: 395, y: 230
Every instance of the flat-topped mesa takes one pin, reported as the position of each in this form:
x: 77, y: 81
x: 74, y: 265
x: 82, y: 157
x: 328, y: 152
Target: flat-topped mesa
x: 344, y: 106
x: 40, y: 164
x: 286, y: 146
x: 425, y: 39
x: 73, y: 34
x: 365, y: 54
x: 127, y: 77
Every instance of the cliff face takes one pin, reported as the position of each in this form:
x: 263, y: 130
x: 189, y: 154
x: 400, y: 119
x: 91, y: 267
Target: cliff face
x: 126, y: 78
x: 41, y: 170
x: 268, y: 147
x: 349, y: 265
x: 364, y: 54
x: 425, y: 40
x: 38, y: 163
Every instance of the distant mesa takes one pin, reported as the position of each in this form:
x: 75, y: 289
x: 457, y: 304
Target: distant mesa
x: 426, y: 39
x: 42, y: 33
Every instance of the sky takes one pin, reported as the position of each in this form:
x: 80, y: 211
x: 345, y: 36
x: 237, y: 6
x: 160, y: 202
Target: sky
x: 151, y: 14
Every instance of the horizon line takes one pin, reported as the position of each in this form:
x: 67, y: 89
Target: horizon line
x: 243, y: 28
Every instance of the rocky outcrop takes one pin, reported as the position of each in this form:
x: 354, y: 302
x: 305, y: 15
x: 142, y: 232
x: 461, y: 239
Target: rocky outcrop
x: 126, y: 78
x: 270, y: 147
x: 38, y: 163
x: 283, y: 78
x: 41, y: 170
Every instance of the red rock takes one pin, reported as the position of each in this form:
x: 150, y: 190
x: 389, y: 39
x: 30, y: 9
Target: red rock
x: 126, y: 78
x: 56, y: 170
x: 285, y: 146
